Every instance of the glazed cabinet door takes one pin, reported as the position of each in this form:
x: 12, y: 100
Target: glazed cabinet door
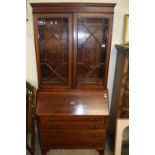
x: 53, y: 40
x: 92, y: 39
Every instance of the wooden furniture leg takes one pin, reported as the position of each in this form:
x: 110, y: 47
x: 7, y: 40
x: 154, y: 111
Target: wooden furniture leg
x: 101, y: 152
x: 44, y: 151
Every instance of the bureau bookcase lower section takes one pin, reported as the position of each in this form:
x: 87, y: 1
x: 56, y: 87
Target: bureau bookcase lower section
x: 64, y: 125
x: 72, y: 132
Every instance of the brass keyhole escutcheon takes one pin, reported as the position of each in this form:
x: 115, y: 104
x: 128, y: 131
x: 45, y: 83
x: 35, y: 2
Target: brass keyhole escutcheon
x: 72, y: 103
x: 105, y: 95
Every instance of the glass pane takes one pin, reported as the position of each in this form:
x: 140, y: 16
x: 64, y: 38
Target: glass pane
x: 91, y: 50
x: 53, y: 44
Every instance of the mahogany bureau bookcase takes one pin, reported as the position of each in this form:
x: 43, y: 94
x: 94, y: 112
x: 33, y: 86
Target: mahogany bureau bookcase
x: 72, y: 42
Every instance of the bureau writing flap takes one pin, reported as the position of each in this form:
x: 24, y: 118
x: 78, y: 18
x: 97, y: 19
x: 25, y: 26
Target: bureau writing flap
x: 72, y: 103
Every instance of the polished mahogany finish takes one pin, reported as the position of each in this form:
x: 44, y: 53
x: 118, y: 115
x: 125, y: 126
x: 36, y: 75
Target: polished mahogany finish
x: 73, y: 47
x: 69, y: 103
x: 72, y: 42
x: 73, y: 7
x: 66, y: 115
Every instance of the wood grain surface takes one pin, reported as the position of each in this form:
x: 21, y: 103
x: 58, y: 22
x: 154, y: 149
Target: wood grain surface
x: 55, y: 103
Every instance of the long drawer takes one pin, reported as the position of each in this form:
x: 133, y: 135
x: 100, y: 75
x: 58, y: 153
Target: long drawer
x: 73, y: 145
x: 88, y: 119
x: 72, y: 126
x: 73, y: 123
x: 80, y: 135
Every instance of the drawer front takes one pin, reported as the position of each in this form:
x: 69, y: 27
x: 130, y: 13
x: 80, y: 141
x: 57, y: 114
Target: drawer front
x: 71, y: 119
x: 83, y: 135
x: 72, y: 126
x: 72, y: 132
x: 73, y: 145
x: 73, y: 123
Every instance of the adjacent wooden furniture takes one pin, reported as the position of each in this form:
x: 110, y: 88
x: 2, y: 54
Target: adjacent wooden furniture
x: 30, y: 117
x: 72, y: 43
x: 120, y: 96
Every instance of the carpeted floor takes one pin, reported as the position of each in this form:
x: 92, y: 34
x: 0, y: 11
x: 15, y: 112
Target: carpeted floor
x: 72, y: 152
x: 76, y: 152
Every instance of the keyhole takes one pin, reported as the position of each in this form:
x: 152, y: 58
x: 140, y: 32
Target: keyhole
x: 72, y: 103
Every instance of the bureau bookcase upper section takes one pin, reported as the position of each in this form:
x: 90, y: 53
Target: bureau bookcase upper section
x: 72, y: 42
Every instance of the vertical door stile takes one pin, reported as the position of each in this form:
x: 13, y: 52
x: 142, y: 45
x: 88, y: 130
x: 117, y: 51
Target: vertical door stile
x: 108, y: 49
x: 70, y: 50
x: 37, y: 47
x: 74, y: 50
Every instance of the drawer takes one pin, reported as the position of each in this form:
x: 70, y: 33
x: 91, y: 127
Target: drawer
x: 73, y: 135
x: 77, y: 139
x: 69, y: 119
x: 72, y: 122
x: 73, y: 145
x: 72, y: 126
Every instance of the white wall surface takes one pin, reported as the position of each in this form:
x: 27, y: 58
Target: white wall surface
x: 122, y: 8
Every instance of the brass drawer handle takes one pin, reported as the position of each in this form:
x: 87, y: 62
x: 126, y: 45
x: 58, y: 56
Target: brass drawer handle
x: 49, y: 126
x: 94, y: 127
x: 50, y: 119
x: 95, y: 119
x: 93, y: 136
x: 54, y: 143
x: 93, y: 145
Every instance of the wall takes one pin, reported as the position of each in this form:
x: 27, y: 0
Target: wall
x: 122, y: 7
